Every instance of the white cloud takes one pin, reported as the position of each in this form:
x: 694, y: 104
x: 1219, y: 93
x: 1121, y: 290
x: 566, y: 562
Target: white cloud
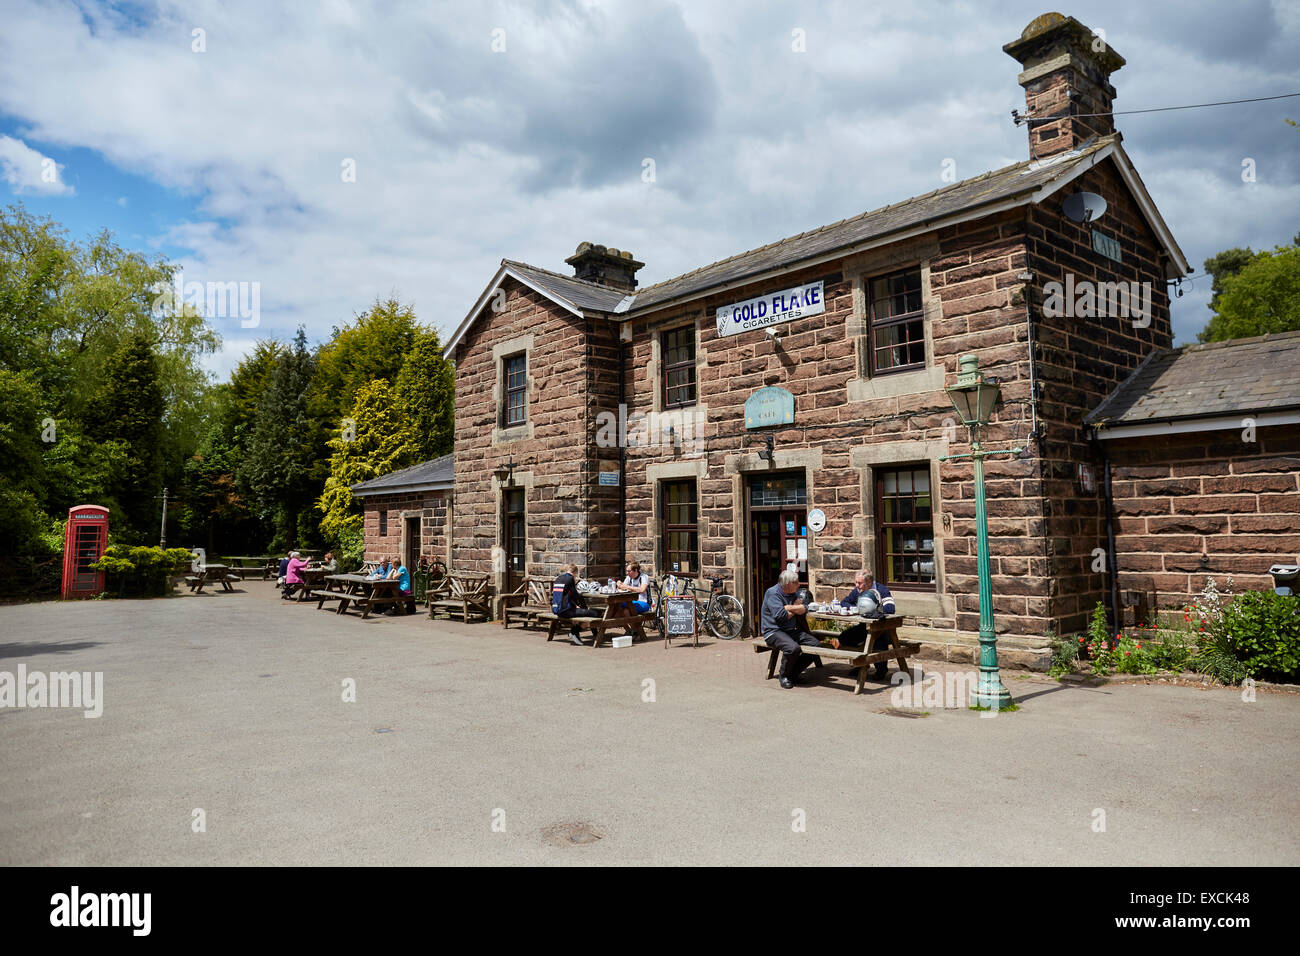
x: 27, y: 171
x: 464, y: 155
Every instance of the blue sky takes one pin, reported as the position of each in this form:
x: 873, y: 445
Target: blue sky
x: 482, y: 131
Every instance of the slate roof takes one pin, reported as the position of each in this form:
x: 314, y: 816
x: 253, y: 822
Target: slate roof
x: 438, y: 473
x: 992, y: 187
x: 1197, y: 381
x: 1020, y: 183
x: 578, y: 292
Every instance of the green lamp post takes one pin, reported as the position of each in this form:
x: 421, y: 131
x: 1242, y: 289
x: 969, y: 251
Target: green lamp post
x: 974, y: 397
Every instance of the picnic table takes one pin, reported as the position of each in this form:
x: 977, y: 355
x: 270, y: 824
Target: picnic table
x: 618, y: 613
x: 312, y: 578
x: 207, y: 574
x: 859, y: 660
x: 360, y: 591
x: 246, y: 564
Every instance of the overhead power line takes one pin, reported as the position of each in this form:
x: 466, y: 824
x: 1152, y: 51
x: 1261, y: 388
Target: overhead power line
x: 1021, y: 118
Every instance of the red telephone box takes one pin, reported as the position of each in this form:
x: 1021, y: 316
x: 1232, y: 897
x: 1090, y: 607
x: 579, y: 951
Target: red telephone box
x: 84, y: 542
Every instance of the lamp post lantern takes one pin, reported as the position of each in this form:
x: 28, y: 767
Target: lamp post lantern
x: 974, y: 397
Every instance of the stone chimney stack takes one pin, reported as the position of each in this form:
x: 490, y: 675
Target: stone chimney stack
x: 1067, y: 70
x: 609, y: 267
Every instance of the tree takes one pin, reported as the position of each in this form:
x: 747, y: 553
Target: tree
x: 129, y: 408
x: 21, y: 482
x: 285, y: 444
x: 1262, y: 297
x: 375, y: 346
x: 380, y: 441
x: 425, y: 393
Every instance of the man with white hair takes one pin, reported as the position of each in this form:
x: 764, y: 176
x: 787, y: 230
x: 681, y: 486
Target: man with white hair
x: 865, y: 585
x: 779, y: 625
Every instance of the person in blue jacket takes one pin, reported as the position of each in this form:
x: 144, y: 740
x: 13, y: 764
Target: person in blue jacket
x: 864, y: 583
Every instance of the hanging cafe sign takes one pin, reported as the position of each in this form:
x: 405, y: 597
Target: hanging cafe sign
x: 769, y: 406
x: 783, y: 306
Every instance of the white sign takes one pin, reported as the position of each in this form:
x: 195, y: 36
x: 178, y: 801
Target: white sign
x: 816, y: 520
x: 783, y: 306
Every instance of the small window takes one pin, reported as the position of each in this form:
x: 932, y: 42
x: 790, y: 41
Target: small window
x: 905, y: 528
x: 897, y: 323
x: 681, y: 528
x: 679, y: 367
x: 515, y: 410
x: 383, y: 522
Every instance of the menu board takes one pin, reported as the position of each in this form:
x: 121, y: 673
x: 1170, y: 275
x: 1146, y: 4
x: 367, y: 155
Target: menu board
x: 679, y: 613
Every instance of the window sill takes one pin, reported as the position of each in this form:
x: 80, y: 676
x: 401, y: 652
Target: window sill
x: 898, y: 383
x: 501, y: 436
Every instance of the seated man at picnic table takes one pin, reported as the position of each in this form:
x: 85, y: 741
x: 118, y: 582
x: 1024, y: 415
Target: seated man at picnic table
x: 567, y: 603
x: 638, y: 584
x: 779, y: 625
x: 283, y: 569
x: 865, y: 585
x: 292, y: 573
x: 381, y: 571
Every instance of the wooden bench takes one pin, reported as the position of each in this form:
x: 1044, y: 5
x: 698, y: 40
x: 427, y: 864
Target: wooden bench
x: 618, y: 613
x: 469, y: 595
x: 859, y: 660
x: 527, y: 602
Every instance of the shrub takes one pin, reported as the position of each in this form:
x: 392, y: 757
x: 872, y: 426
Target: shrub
x: 351, y: 552
x: 1065, y: 651
x: 1172, y: 652
x: 141, y: 571
x: 1133, y: 657
x: 1262, y: 630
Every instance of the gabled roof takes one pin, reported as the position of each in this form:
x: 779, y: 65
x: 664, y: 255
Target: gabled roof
x: 1016, y: 185
x: 426, y: 476
x: 1257, y: 377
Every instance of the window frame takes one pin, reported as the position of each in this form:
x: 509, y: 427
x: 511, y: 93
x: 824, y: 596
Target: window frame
x: 692, y: 529
x: 508, y: 391
x: 884, y: 566
x: 688, y: 333
x: 902, y: 319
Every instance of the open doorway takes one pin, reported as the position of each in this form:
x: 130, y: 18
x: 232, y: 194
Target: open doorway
x: 778, y: 532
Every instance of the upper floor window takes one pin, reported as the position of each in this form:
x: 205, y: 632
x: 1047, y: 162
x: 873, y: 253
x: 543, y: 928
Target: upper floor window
x: 897, y: 321
x: 679, y: 367
x: 515, y: 408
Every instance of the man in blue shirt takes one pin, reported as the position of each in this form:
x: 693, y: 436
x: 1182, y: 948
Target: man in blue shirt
x: 856, y: 636
x: 779, y: 625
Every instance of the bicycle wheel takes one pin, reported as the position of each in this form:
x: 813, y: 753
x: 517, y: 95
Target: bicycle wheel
x: 726, y: 618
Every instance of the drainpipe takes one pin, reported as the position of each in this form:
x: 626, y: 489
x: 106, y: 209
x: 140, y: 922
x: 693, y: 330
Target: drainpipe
x: 1112, y: 559
x: 622, y: 452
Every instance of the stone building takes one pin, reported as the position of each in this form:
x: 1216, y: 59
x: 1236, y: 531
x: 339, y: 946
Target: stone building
x: 408, y: 513
x: 696, y: 424
x: 1202, y: 448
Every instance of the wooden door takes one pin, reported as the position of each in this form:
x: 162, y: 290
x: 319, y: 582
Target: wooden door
x: 516, y: 538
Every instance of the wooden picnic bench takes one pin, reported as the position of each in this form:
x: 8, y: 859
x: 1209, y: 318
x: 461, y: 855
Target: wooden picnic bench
x: 211, y: 574
x: 859, y: 660
x: 527, y: 602
x: 357, y: 590
x: 618, y: 613
x: 469, y: 595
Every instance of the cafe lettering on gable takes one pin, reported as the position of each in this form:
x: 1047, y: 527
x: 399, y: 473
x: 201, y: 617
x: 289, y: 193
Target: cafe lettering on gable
x: 766, y: 310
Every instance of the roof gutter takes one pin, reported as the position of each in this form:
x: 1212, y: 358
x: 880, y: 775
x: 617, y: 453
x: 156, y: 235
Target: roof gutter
x: 1184, y: 426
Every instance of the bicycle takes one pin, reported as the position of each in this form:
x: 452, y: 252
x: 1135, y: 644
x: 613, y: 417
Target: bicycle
x: 722, y: 615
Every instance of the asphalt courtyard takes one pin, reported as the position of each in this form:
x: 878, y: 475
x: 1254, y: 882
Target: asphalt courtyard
x: 470, y: 744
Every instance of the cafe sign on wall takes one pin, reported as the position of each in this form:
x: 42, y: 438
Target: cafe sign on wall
x: 783, y: 306
x: 769, y: 406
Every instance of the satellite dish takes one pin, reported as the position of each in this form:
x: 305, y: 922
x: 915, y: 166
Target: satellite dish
x: 1084, y: 207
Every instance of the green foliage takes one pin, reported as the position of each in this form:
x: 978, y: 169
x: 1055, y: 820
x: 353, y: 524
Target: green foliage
x: 22, y: 483
x: 1065, y: 651
x: 141, y: 571
x: 377, y: 440
x: 1173, y: 652
x: 1261, y: 629
x: 1257, y: 297
x: 374, y: 346
x: 351, y: 552
x: 425, y: 394
x: 1133, y: 657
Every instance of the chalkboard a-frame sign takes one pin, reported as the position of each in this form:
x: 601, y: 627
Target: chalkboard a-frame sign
x: 679, y: 619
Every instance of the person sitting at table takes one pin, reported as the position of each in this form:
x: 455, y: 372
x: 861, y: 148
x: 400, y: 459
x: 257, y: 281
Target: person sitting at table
x: 328, y: 564
x: 779, y: 625
x: 283, y: 569
x: 865, y: 585
x: 638, y: 584
x: 402, y: 575
x: 381, y: 571
x: 567, y: 603
x: 293, y: 579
